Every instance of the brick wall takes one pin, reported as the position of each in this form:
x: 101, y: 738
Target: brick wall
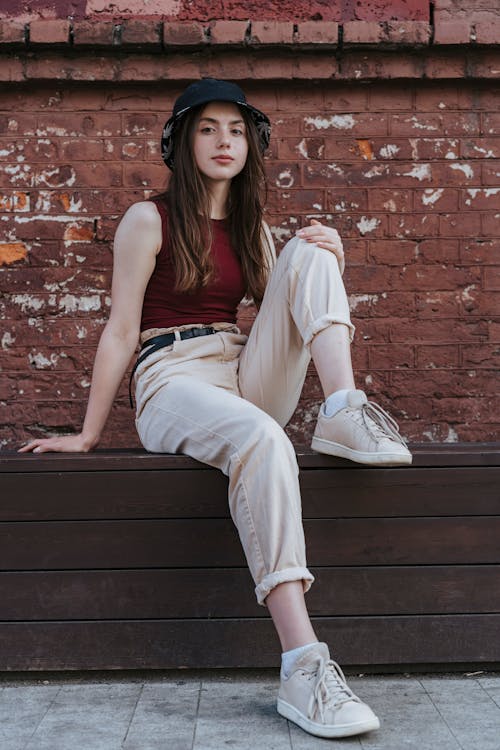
x: 382, y: 130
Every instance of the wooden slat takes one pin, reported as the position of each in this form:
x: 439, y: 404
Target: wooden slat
x: 428, y: 454
x: 229, y: 592
x: 163, y: 644
x: 214, y: 543
x: 176, y: 494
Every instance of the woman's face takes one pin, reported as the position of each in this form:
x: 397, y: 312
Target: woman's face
x: 220, y: 141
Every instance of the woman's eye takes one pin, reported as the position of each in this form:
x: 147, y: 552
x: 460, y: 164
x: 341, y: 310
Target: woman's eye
x: 237, y: 131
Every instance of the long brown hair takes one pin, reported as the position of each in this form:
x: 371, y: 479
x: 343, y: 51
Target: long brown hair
x: 188, y: 204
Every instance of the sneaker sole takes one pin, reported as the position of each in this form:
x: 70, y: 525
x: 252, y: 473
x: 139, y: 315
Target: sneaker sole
x: 371, y: 459
x: 325, y: 730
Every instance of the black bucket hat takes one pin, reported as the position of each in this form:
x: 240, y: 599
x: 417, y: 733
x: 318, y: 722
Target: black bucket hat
x: 202, y: 92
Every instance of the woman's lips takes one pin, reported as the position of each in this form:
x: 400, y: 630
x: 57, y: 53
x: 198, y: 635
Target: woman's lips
x: 223, y: 159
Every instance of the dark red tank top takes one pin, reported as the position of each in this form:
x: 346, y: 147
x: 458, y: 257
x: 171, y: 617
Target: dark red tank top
x: 216, y: 303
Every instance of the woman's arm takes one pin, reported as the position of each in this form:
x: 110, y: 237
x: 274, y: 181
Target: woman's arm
x: 137, y: 241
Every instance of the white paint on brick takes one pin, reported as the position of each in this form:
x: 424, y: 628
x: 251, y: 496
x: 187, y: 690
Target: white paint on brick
x: 7, y: 340
x: 358, y: 299
x: 301, y: 148
x: 487, y: 154
x: 420, y: 125
x: 27, y: 302
x: 80, y: 258
x: 366, y: 225
x: 285, y: 179
x: 450, y: 155
x: 41, y: 362
x: 414, y: 147
x: 420, y: 172
x: 85, y: 383
x: 390, y: 205
x: 341, y: 122
x: 81, y: 332
x: 368, y: 380
x: 376, y: 170
x: 389, y: 151
x: 431, y: 195
x: 317, y: 206
x: 465, y: 168
x: 71, y: 303
x: 281, y: 234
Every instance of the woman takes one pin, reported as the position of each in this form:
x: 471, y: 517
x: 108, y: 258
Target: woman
x: 182, y: 263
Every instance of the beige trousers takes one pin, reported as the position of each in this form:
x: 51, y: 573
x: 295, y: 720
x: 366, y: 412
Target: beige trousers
x: 224, y: 400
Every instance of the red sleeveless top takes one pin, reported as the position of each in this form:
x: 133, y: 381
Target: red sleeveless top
x: 216, y: 303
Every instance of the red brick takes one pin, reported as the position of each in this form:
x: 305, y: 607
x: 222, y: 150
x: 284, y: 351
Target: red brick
x: 301, y: 148
x: 480, y: 303
x: 382, y: 10
x: 412, y: 33
x: 363, y: 32
x: 480, y: 148
x: 347, y: 98
x: 318, y: 32
x: 451, y: 32
x: 414, y: 225
x: 340, y: 201
x: 284, y: 201
x: 391, y: 357
x: 11, y: 31
x: 481, y: 355
x: 228, y: 32
x: 432, y: 357
x: 438, y: 250
x: 433, y: 331
x: 92, y: 34
x: 437, y: 304
x: 436, y: 199
x: 485, y: 65
x: 392, y: 252
x: 271, y: 32
x: 488, y: 33
x: 310, y: 67
x: 460, y: 225
x: 475, y: 251
x: 183, y: 34
x: 49, y: 31
x: 394, y: 201
x: 480, y: 199
x: 492, y: 278
x: 136, y: 31
x: 441, y: 65
x: 12, y: 69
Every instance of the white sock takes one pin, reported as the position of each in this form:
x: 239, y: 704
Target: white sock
x: 288, y: 657
x: 336, y: 401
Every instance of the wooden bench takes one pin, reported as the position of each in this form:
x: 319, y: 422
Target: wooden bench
x: 130, y: 560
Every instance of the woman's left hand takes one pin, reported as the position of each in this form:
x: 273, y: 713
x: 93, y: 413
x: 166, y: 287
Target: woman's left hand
x: 326, y: 237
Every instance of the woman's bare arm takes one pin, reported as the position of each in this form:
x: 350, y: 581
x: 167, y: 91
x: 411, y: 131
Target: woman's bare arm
x: 137, y: 241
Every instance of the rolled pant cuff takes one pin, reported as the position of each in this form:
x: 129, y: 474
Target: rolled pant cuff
x: 271, y: 580
x: 321, y: 323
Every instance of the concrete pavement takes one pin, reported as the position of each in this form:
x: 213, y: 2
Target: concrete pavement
x: 235, y: 710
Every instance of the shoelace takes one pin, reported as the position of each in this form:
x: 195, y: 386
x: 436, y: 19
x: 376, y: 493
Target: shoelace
x: 379, y: 423
x: 330, y: 689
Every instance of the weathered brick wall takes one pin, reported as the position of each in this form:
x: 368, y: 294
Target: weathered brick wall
x: 383, y: 132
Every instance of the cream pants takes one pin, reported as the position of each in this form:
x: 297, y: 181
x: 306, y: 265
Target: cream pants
x: 224, y: 400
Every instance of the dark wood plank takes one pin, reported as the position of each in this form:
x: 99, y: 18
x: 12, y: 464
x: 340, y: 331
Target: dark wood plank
x: 163, y: 644
x: 425, y: 454
x: 113, y: 494
x: 176, y: 493
x: 214, y: 543
x: 229, y: 592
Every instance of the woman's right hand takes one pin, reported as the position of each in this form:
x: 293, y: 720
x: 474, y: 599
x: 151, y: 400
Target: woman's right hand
x: 64, y: 444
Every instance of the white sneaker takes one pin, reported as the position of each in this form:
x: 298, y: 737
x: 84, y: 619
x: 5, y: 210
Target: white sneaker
x: 316, y: 697
x: 362, y: 432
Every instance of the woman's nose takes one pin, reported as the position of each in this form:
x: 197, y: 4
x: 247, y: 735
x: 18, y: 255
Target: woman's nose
x: 223, y: 139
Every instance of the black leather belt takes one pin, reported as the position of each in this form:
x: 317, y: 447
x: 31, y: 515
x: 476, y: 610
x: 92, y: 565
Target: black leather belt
x: 159, y: 342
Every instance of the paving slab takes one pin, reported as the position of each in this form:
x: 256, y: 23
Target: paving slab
x: 470, y: 713
x: 236, y: 710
